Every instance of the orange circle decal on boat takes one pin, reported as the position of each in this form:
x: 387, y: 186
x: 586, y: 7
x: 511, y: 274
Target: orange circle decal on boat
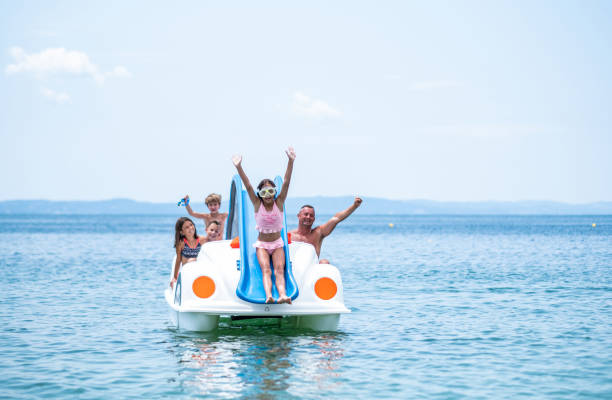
x: 203, y: 287
x: 325, y: 288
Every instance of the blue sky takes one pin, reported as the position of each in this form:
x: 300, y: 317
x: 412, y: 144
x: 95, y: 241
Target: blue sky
x: 441, y: 100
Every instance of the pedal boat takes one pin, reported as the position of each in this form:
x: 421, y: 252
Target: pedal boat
x: 225, y: 280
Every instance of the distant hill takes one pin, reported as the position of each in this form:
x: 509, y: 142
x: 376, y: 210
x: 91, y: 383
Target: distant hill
x: 323, y: 205
x: 372, y: 205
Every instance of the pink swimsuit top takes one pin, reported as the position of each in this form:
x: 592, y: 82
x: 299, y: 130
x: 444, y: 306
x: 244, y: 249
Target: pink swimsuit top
x: 269, y: 221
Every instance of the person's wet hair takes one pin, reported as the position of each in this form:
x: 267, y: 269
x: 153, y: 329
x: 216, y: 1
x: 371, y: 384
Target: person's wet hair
x: 213, y: 198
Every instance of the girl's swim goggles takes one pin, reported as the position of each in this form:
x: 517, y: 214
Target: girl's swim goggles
x: 267, y: 191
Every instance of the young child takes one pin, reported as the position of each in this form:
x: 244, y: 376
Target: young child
x: 213, y: 202
x: 269, y: 218
x: 188, y: 244
x: 212, y: 231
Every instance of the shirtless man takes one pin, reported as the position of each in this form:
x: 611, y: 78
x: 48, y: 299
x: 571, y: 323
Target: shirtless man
x: 213, y: 202
x: 305, y: 233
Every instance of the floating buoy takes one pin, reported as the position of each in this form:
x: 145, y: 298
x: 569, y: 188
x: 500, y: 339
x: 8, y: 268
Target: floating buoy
x: 391, y: 225
x: 594, y: 225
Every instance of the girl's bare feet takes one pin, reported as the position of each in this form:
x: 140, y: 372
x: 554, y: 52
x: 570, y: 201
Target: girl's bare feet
x: 270, y: 300
x: 284, y: 300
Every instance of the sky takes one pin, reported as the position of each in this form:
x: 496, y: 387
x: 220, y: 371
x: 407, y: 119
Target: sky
x: 440, y: 100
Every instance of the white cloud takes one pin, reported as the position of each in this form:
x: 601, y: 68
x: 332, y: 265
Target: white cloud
x: 119, y: 72
x: 306, y: 106
x: 432, y: 85
x: 58, y: 97
x: 54, y: 61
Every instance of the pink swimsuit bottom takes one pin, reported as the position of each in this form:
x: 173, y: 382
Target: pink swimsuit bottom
x: 270, y: 246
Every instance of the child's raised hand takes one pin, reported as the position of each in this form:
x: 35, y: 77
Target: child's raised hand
x: 290, y: 153
x: 236, y: 159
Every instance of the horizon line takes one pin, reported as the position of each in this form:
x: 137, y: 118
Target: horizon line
x: 328, y: 197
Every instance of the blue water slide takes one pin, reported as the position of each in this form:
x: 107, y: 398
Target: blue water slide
x: 241, y: 222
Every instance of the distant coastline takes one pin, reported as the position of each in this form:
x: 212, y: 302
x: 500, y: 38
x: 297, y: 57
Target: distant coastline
x: 324, y: 205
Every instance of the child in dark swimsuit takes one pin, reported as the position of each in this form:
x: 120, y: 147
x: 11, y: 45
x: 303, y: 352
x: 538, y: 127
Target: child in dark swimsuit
x: 187, y: 244
x: 269, y: 218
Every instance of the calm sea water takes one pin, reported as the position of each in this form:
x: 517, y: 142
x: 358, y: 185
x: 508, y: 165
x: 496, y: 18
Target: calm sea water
x: 444, y: 307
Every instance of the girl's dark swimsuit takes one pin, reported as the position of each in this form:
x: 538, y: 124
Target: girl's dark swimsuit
x: 189, y: 252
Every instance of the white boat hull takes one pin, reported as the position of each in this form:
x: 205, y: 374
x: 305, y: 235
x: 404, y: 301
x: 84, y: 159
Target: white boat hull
x: 318, y: 306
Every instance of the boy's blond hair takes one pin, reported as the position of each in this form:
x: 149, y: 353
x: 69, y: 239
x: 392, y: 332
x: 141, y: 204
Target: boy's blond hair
x: 212, y: 198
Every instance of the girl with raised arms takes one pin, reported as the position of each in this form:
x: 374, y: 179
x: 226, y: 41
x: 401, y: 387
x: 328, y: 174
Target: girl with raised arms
x: 269, y: 219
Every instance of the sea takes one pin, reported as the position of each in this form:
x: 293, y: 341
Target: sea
x: 443, y: 307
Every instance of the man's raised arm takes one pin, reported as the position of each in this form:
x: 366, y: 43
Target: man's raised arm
x: 329, y: 226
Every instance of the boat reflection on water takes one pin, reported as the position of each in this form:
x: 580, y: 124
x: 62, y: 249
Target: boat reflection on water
x: 327, y: 366
x: 257, y: 363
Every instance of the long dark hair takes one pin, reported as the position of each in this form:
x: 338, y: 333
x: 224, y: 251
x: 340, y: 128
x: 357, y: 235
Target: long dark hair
x: 263, y: 183
x: 178, y: 236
